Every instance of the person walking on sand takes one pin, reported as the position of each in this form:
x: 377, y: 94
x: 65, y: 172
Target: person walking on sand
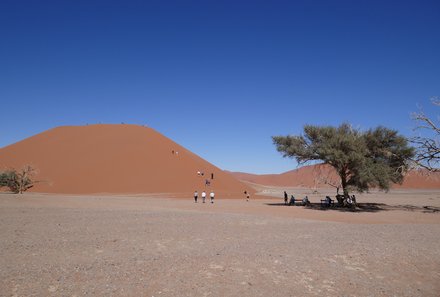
x: 203, y: 196
x: 196, y: 195
x: 247, y: 195
x: 212, y: 196
x: 285, y: 198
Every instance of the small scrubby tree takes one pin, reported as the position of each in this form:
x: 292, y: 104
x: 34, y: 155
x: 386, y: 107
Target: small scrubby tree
x: 362, y: 160
x: 18, y: 181
x: 427, y: 146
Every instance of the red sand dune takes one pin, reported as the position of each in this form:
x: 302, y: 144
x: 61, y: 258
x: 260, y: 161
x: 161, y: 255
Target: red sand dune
x: 118, y: 159
x: 315, y: 176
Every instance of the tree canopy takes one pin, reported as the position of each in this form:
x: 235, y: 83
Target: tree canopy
x: 374, y: 158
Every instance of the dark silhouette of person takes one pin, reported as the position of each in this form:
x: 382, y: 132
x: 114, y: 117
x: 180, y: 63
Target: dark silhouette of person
x: 292, y: 200
x: 353, y: 199
x: 285, y: 197
x: 328, y: 200
x: 306, y: 201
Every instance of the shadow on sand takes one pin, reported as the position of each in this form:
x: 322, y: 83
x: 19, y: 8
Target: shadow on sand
x: 365, y: 207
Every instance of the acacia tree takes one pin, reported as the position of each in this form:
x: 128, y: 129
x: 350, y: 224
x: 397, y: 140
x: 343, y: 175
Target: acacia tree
x: 362, y: 160
x: 427, y: 146
x: 18, y: 181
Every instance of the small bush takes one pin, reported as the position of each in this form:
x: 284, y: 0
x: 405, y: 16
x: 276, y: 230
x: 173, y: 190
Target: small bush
x: 18, y: 181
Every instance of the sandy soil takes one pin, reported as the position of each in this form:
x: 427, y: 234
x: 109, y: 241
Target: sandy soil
x: 58, y: 245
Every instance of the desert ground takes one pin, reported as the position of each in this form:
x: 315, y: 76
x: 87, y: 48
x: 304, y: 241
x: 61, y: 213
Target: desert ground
x: 157, y: 245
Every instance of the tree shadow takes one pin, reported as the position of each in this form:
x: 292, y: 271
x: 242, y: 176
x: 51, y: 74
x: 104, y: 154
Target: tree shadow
x: 276, y: 204
x: 364, y: 207
x: 423, y: 209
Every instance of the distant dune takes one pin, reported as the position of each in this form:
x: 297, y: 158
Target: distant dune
x: 116, y: 159
x: 316, y: 176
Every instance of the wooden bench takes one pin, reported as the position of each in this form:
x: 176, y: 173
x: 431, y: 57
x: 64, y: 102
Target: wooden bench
x: 327, y: 202
x: 298, y: 202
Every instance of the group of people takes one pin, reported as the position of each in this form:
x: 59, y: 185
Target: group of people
x: 348, y: 200
x: 247, y: 195
x: 327, y: 201
x: 207, y: 181
x: 211, y: 196
x: 305, y: 200
x: 201, y: 173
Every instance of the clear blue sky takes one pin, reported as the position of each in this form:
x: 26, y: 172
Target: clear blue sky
x: 218, y: 77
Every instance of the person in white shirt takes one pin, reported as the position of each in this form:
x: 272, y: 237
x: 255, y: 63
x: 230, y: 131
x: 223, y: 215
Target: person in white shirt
x: 212, y: 196
x: 203, y: 196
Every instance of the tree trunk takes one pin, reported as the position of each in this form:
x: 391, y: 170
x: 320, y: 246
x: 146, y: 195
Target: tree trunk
x: 344, y: 187
x: 346, y: 193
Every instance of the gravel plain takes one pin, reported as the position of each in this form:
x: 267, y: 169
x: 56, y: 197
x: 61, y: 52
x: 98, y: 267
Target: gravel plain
x: 61, y: 245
